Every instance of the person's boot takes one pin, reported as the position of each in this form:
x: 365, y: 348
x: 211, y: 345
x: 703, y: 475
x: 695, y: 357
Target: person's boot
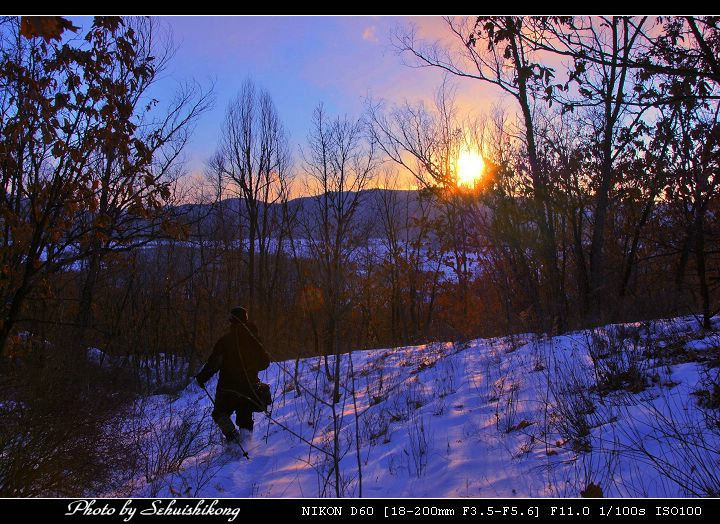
x: 246, y: 429
x: 235, y: 444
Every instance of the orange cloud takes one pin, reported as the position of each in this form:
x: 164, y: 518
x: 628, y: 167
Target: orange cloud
x: 369, y: 34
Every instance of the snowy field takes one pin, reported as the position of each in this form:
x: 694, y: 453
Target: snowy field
x: 372, y: 254
x: 630, y: 410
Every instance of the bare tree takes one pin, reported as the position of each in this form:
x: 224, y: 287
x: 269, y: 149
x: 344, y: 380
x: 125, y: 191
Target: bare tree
x: 407, y: 273
x: 694, y: 187
x: 338, y: 164
x: 427, y: 143
x: 492, y: 50
x: 253, y: 156
x: 605, y: 89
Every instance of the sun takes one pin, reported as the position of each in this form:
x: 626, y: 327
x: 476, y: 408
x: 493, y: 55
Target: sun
x: 470, y: 166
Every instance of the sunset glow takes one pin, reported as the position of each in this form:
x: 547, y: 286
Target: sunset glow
x: 470, y: 166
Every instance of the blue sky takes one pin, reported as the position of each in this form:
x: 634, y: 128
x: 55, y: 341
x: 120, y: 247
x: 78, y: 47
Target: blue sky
x: 301, y: 61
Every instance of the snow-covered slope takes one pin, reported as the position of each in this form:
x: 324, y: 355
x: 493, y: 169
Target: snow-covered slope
x: 630, y: 410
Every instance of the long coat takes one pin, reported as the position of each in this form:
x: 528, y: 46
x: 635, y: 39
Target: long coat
x: 239, y: 356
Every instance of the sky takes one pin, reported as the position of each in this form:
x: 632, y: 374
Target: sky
x: 301, y: 61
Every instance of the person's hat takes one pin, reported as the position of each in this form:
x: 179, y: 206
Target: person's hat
x: 238, y: 314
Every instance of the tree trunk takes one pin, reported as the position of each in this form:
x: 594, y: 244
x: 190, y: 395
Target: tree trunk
x: 701, y: 269
x: 540, y: 197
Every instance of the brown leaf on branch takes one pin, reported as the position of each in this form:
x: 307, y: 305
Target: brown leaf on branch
x: 592, y: 491
x: 47, y: 27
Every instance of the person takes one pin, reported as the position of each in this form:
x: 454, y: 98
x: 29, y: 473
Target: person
x: 238, y: 355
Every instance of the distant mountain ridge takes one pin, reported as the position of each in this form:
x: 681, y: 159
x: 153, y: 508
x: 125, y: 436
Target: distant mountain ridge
x: 303, y: 210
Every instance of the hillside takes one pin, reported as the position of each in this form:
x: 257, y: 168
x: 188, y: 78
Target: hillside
x: 303, y: 210
x: 631, y: 409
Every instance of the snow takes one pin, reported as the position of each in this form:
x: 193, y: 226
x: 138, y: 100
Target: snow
x: 372, y: 253
x: 703, y: 344
x: 513, y: 416
x: 98, y: 357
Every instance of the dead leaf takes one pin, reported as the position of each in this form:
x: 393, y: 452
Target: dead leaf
x: 47, y: 27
